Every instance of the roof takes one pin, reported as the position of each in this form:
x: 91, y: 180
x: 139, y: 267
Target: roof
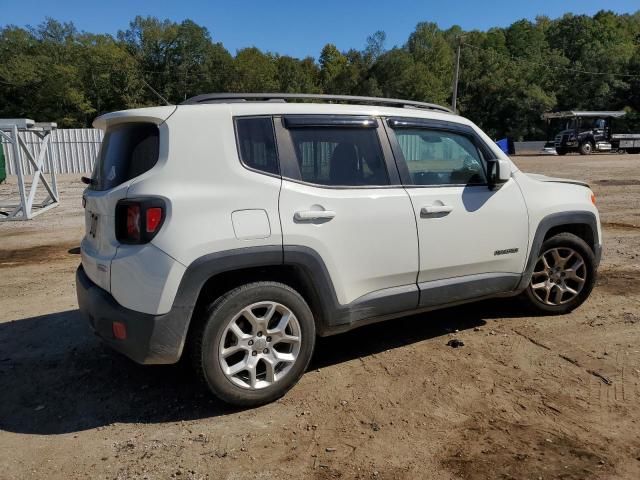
x: 576, y: 113
x: 286, y: 97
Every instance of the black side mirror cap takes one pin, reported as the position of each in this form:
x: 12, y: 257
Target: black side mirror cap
x: 497, y: 175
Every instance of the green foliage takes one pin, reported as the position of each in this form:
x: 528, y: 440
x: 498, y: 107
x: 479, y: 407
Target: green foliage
x: 508, y: 76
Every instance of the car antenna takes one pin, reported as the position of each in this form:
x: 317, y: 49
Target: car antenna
x: 156, y: 93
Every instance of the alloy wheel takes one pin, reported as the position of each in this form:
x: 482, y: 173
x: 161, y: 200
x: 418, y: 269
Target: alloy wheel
x: 260, y: 345
x: 558, y: 276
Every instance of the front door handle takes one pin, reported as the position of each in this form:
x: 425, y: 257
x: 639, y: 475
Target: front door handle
x: 307, y: 215
x: 435, y: 209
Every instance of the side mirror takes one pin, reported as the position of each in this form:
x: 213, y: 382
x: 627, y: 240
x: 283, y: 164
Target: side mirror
x: 499, y: 172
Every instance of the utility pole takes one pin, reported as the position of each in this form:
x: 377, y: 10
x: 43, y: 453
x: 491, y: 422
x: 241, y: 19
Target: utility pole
x: 454, y: 99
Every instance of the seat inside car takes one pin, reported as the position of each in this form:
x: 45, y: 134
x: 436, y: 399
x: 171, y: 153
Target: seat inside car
x: 344, y: 165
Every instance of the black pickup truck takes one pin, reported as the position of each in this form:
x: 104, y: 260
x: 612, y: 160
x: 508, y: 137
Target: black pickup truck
x: 587, y: 132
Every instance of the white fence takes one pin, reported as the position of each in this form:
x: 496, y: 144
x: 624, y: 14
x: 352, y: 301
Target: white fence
x: 74, y: 150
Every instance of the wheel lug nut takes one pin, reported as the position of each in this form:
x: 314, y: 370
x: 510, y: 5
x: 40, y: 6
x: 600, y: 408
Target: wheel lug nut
x: 254, y: 353
x: 268, y: 339
x: 250, y: 342
x: 266, y: 350
x: 259, y: 334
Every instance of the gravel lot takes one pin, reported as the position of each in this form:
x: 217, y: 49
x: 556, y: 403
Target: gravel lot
x: 525, y: 398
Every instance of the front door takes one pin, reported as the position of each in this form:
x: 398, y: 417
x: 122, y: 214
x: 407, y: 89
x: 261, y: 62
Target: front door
x: 472, y: 240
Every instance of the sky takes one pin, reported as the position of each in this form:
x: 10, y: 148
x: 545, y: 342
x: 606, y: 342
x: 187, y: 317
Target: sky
x: 300, y: 28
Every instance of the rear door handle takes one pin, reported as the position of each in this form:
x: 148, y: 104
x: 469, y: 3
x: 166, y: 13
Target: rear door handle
x: 433, y: 209
x: 307, y: 215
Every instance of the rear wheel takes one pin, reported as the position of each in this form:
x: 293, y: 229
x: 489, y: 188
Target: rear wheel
x: 255, y: 344
x: 563, y: 276
x: 561, y: 151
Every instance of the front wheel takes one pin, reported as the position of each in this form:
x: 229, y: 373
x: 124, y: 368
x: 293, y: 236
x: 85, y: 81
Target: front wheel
x: 586, y: 148
x: 563, y: 276
x: 255, y: 343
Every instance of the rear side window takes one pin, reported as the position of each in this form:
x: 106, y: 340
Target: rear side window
x: 339, y: 156
x: 127, y: 151
x: 257, y: 145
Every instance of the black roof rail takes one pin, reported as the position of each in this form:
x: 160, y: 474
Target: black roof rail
x: 283, y: 97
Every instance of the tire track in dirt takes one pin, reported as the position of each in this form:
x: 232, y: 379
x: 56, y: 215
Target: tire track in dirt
x: 608, y: 384
x: 506, y: 444
x: 619, y: 226
x: 617, y: 281
x: 566, y: 358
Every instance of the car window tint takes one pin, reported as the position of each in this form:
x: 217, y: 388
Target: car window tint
x: 257, y: 144
x: 127, y: 150
x: 339, y: 156
x: 435, y: 157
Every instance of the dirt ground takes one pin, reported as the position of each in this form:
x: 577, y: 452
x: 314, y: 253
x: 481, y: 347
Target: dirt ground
x: 525, y: 398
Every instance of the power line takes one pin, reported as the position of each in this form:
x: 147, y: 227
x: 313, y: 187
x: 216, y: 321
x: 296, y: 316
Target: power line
x: 557, y: 67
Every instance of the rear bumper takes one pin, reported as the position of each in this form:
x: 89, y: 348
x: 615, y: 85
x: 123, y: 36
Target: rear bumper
x: 151, y: 339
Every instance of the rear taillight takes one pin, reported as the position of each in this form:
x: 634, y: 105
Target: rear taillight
x: 154, y: 218
x: 139, y: 220
x: 133, y: 222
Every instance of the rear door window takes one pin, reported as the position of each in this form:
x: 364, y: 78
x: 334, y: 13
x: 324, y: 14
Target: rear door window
x: 127, y: 150
x: 339, y: 156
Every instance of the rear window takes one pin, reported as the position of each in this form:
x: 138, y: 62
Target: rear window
x: 127, y: 151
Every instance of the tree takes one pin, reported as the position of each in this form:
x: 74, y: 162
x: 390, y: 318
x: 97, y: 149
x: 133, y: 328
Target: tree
x: 41, y: 71
x: 332, y: 69
x: 178, y: 60
x: 295, y: 75
x: 375, y: 46
x: 109, y: 74
x: 508, y: 76
x: 433, y: 69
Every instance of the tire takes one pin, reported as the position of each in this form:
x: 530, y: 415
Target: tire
x: 586, y: 148
x: 257, y: 310
x: 557, y: 279
x: 561, y: 151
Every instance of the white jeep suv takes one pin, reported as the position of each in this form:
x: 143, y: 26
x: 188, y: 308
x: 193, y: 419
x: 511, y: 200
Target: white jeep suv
x: 236, y: 227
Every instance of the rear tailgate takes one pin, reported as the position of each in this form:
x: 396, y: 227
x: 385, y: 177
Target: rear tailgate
x: 129, y: 149
x: 99, y: 244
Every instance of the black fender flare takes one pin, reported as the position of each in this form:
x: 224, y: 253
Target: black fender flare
x: 330, y: 314
x: 555, y: 220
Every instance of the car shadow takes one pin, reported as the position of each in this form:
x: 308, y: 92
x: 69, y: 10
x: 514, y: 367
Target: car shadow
x: 57, y: 377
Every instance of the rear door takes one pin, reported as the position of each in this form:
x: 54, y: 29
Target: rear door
x: 127, y: 151
x: 341, y: 197
x: 473, y: 239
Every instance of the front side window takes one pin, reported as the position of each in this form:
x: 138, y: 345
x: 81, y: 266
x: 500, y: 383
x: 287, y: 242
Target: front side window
x: 257, y: 144
x: 339, y: 156
x: 435, y: 157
